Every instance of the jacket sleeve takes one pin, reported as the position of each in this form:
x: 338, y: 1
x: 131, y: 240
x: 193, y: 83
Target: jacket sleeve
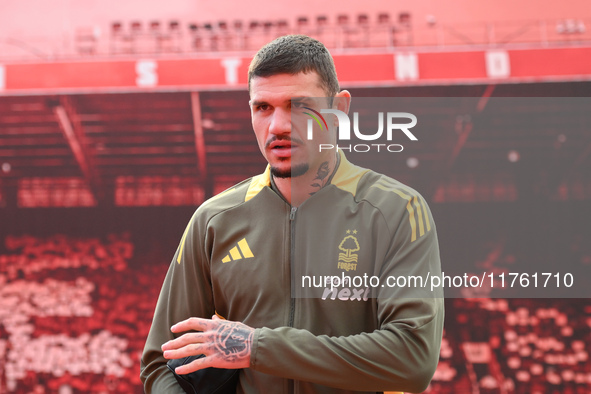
x: 401, y: 355
x: 186, y: 292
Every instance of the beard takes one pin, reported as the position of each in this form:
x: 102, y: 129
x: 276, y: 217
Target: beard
x: 292, y: 172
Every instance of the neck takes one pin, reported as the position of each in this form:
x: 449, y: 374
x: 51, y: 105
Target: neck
x: 299, y: 189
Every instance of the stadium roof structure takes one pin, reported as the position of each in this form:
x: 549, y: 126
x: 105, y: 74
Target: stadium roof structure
x: 175, y: 130
x: 185, y: 140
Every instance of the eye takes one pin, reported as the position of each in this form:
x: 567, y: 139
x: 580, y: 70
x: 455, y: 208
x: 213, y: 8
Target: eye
x: 262, y: 107
x: 298, y: 104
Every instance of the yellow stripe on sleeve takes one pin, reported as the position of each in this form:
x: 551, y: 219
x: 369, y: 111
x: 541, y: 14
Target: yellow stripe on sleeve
x: 409, y: 208
x: 420, y: 213
x: 419, y: 203
x: 182, y: 246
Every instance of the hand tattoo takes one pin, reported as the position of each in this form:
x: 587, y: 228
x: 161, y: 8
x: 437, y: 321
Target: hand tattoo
x: 225, y: 344
x: 233, y: 341
x: 321, y: 176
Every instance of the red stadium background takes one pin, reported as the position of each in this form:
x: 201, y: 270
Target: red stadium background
x: 117, y: 119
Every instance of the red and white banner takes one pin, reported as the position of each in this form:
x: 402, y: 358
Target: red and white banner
x: 361, y: 69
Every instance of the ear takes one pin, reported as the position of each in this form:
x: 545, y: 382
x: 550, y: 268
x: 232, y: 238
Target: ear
x: 342, y: 101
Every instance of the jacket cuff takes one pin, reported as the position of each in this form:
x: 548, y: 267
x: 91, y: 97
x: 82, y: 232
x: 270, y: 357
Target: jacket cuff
x: 254, y: 348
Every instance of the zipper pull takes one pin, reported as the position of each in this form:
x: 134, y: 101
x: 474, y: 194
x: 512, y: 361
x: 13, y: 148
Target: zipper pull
x: 292, y: 213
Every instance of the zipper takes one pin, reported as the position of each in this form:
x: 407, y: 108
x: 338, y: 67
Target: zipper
x: 292, y: 213
x: 292, y: 216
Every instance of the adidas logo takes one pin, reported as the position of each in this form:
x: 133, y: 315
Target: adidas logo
x: 242, y: 251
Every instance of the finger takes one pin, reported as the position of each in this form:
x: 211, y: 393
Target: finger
x: 193, y: 349
x: 195, y: 365
x: 186, y: 339
x: 193, y: 323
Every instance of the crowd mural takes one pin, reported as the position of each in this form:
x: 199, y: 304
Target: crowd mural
x: 74, y: 314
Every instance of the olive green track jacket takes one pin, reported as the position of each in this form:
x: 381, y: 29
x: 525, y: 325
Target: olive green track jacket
x: 248, y: 256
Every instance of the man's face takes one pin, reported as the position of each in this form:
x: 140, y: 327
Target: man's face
x: 283, y: 142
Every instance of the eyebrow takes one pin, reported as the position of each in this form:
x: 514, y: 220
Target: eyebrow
x: 257, y: 102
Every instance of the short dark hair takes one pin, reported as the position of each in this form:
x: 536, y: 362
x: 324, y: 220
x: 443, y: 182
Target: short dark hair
x: 294, y: 54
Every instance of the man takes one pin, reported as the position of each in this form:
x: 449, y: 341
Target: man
x: 245, y: 253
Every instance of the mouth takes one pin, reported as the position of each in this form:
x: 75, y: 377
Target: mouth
x: 280, y: 145
x: 282, y: 148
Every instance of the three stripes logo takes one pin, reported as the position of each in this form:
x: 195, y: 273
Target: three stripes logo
x: 417, y: 211
x: 239, y: 252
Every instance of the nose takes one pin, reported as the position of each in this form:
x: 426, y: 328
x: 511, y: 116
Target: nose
x: 280, y: 122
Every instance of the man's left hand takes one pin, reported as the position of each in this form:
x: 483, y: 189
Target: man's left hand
x: 225, y: 344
